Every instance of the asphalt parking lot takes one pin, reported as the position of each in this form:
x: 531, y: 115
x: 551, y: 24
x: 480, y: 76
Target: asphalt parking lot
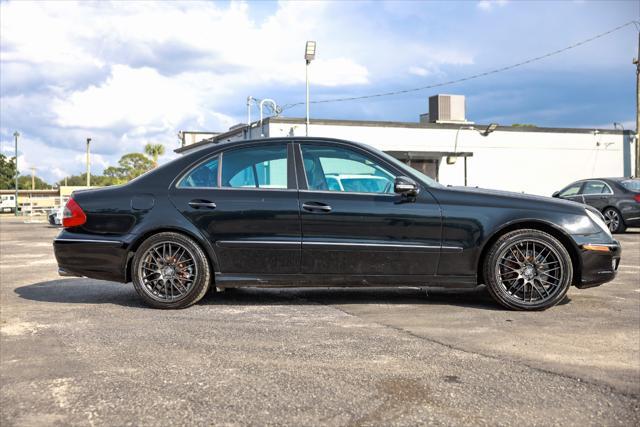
x: 79, y: 351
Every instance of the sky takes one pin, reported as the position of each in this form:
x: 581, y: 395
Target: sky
x: 129, y: 73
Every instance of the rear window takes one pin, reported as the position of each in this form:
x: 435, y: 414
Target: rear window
x: 632, y: 184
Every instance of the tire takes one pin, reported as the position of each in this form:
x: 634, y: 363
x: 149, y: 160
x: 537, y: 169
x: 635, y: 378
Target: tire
x: 170, y: 271
x: 528, y: 270
x: 614, y: 220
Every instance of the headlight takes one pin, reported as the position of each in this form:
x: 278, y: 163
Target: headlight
x: 597, y: 219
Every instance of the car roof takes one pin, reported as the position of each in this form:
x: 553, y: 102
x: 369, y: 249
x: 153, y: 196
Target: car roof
x: 228, y: 144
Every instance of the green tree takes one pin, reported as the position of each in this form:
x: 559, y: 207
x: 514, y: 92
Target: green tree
x: 154, y: 151
x: 129, y: 166
x: 24, y: 183
x: 134, y: 164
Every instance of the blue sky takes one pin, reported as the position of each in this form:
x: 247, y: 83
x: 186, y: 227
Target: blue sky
x: 130, y: 73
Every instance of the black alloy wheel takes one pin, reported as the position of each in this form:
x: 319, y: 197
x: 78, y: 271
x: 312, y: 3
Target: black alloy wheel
x: 528, y: 270
x: 614, y: 220
x: 170, y: 270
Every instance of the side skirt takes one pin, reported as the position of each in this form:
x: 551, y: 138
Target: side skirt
x: 233, y: 280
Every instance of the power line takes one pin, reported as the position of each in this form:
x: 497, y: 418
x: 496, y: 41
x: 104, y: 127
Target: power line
x: 471, y: 77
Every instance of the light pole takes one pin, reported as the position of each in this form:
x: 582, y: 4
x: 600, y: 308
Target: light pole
x: 309, y: 55
x: 88, y: 164
x: 16, y: 135
x: 636, y: 62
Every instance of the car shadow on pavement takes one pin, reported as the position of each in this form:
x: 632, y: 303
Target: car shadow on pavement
x: 87, y: 291
x: 81, y: 291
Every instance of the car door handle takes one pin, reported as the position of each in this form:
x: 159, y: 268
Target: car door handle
x: 202, y: 204
x: 316, y: 207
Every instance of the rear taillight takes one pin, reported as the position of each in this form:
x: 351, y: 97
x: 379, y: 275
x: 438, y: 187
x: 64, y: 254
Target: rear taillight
x: 637, y: 197
x: 73, y: 215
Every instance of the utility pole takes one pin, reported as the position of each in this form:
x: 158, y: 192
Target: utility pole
x: 309, y: 55
x: 33, y: 179
x: 88, y: 164
x: 636, y: 61
x: 249, y: 101
x: 16, y: 135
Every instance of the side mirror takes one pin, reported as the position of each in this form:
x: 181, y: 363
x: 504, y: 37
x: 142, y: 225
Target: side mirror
x: 556, y: 194
x: 405, y: 186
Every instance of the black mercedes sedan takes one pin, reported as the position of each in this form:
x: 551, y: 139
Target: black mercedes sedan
x: 293, y: 212
x: 617, y: 198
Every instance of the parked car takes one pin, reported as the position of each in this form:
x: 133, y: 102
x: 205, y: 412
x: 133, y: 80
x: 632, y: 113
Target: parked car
x: 55, y: 216
x: 264, y: 214
x: 617, y: 198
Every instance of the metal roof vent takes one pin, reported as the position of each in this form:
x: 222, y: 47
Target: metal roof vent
x: 447, y: 109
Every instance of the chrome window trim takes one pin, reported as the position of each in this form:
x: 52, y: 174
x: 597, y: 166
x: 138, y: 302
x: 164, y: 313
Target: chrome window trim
x: 238, y: 188
x: 586, y: 182
x: 350, y: 193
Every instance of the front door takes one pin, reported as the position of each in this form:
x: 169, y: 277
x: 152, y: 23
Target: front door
x: 572, y: 192
x: 245, y: 201
x: 352, y: 221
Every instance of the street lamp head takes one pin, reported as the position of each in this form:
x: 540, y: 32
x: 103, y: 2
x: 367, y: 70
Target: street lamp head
x: 16, y: 134
x: 310, y: 51
x: 88, y: 140
x: 491, y: 128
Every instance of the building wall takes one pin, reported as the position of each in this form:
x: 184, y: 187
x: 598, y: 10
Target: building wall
x: 521, y: 161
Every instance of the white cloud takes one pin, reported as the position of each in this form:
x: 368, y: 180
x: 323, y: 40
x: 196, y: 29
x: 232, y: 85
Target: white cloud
x: 128, y: 73
x: 418, y: 71
x: 489, y: 4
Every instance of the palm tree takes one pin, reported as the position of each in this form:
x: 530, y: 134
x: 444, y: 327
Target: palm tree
x: 153, y: 151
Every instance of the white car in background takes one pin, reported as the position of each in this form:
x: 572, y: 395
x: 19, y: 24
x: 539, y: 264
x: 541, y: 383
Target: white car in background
x: 55, y: 216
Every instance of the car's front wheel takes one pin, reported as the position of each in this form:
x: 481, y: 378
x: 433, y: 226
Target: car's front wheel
x: 614, y: 220
x: 170, y: 270
x: 528, y: 270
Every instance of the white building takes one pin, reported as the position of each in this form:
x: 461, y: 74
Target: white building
x: 533, y: 160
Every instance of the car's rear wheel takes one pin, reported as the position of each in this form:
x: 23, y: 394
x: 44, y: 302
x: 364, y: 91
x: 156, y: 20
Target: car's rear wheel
x: 170, y: 270
x: 528, y: 270
x: 614, y: 220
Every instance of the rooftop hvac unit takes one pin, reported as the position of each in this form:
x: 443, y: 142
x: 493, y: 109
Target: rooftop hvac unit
x: 447, y: 108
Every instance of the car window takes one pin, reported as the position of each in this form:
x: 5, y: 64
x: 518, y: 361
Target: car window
x: 203, y: 176
x: 631, y: 184
x: 255, y: 167
x: 571, y: 190
x: 595, y: 187
x: 342, y: 169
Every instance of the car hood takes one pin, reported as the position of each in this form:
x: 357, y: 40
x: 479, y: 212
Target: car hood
x: 524, y: 199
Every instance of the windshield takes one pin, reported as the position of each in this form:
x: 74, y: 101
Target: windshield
x: 632, y: 184
x: 427, y: 180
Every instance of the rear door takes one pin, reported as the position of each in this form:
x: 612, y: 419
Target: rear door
x: 596, y: 193
x: 245, y: 201
x: 361, y: 227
